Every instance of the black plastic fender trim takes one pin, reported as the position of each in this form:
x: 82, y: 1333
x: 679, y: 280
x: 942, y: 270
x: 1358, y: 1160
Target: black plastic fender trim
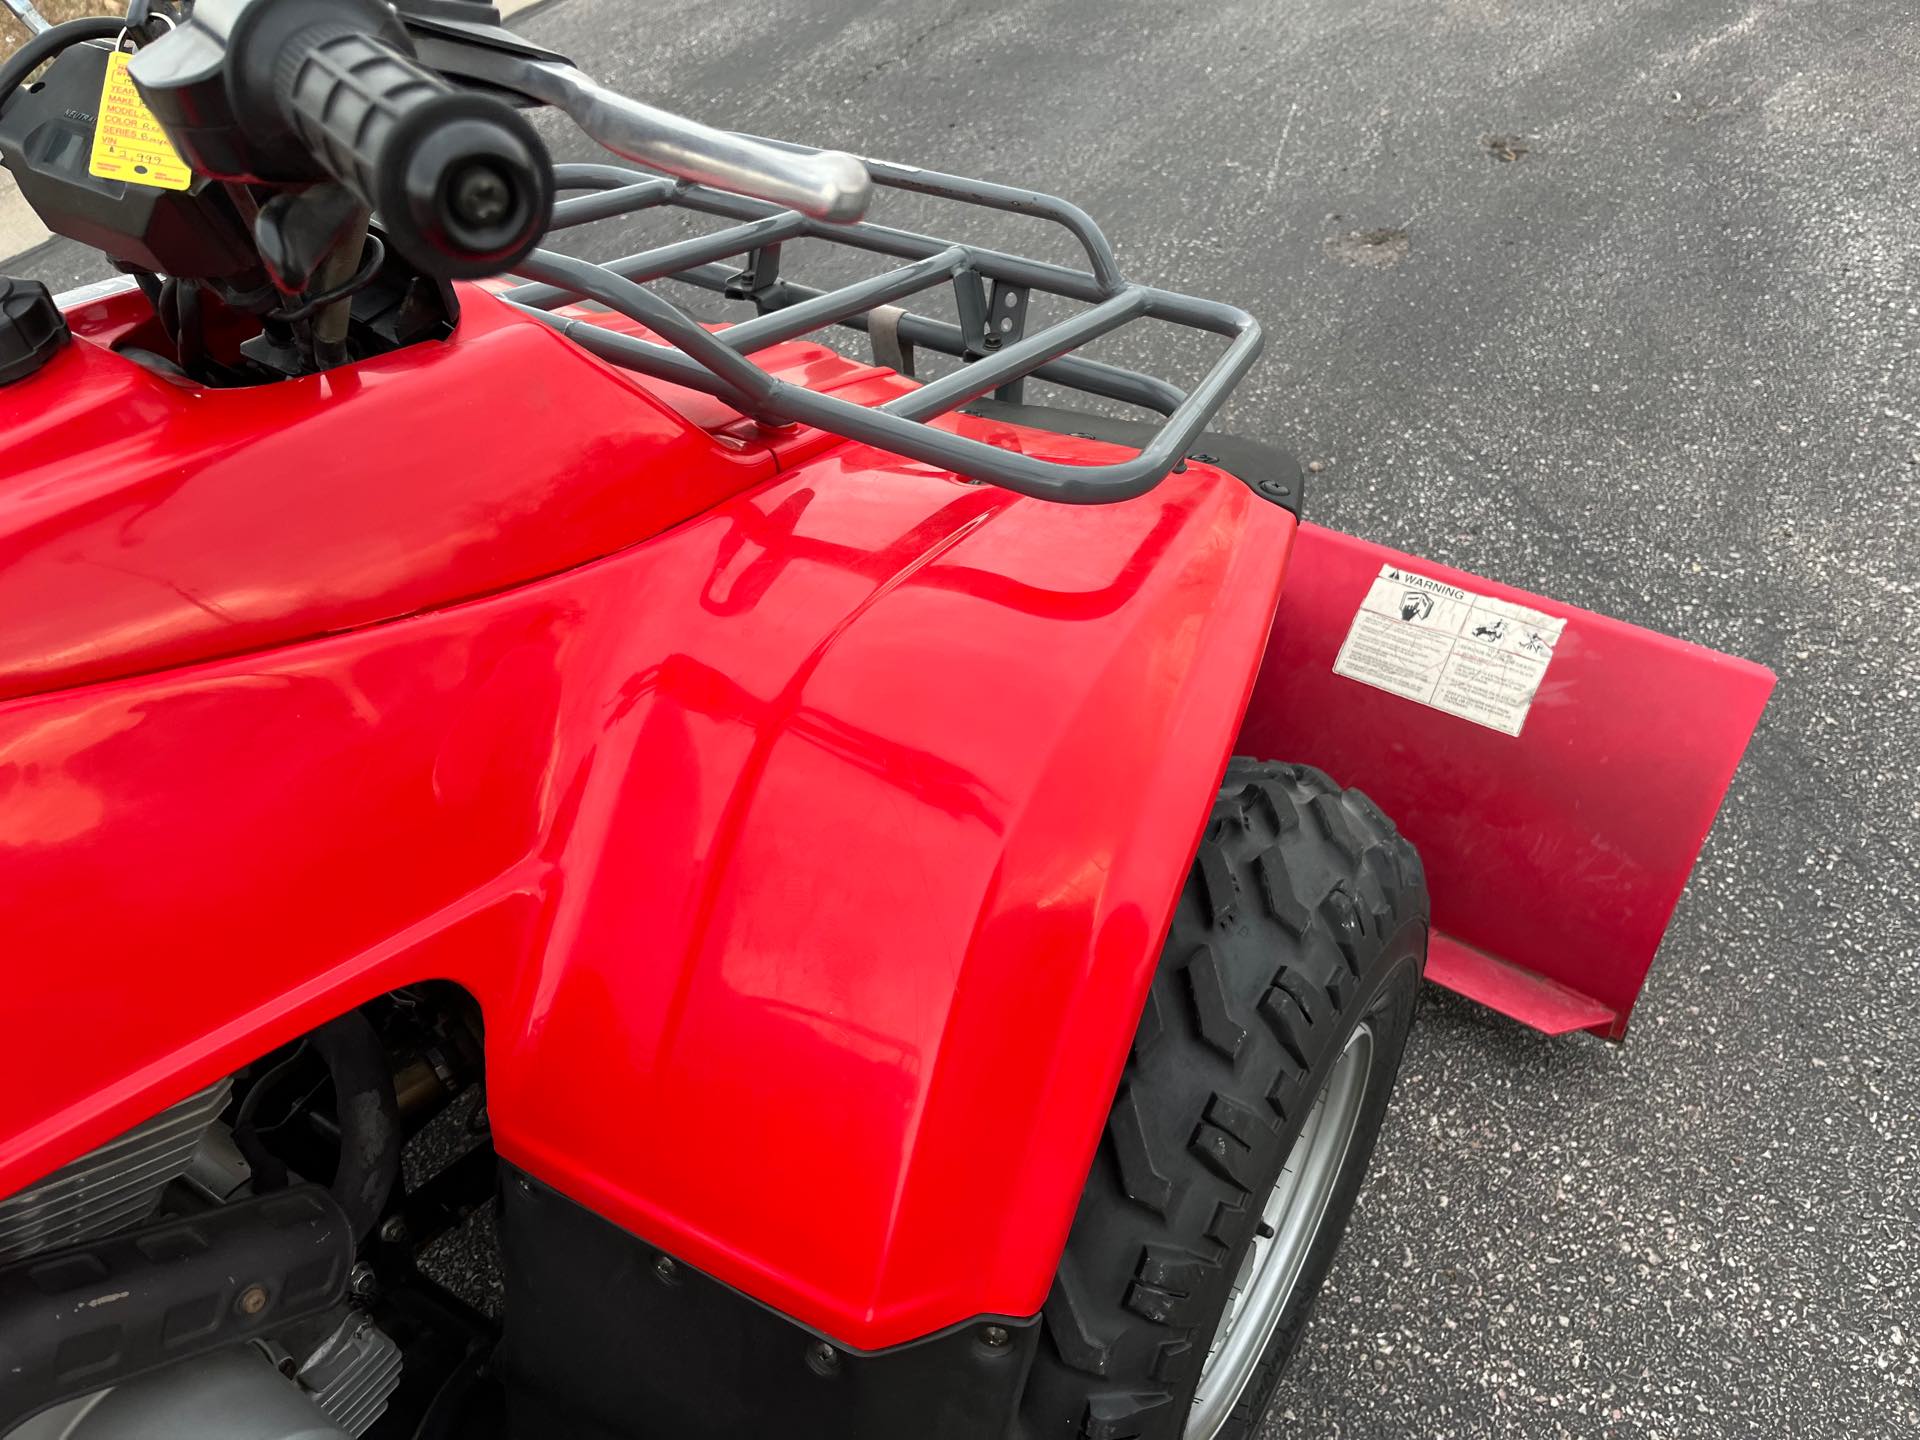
x: 609, y: 1338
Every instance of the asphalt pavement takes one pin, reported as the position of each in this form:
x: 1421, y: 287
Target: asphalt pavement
x: 1619, y: 301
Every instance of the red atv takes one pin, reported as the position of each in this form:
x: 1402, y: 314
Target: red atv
x: 774, y: 810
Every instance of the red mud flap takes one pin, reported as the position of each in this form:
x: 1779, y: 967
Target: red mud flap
x: 1555, y: 855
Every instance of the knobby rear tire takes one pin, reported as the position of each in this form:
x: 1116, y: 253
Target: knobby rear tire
x: 1304, y: 917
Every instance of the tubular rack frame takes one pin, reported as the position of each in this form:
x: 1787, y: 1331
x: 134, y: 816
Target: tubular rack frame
x: 992, y: 289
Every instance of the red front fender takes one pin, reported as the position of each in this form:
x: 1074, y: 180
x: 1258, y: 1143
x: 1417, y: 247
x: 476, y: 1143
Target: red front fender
x: 809, y: 862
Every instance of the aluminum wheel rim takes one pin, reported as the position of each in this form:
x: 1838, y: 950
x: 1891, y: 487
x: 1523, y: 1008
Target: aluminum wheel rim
x: 1290, y: 1221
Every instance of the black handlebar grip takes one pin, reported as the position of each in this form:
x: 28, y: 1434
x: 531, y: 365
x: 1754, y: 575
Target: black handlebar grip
x: 462, y: 184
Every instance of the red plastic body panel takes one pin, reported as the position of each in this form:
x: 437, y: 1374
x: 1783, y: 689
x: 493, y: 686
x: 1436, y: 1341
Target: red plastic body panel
x: 1555, y: 857
x: 809, y: 858
x: 147, y: 522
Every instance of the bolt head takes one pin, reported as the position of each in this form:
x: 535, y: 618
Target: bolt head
x: 994, y: 1337
x: 362, y: 1282
x: 394, y: 1231
x: 664, y: 1268
x: 481, y: 196
x: 823, y: 1359
x: 252, y: 1300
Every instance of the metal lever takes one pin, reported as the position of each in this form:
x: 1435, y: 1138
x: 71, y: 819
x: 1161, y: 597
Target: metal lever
x: 25, y: 12
x: 825, y: 184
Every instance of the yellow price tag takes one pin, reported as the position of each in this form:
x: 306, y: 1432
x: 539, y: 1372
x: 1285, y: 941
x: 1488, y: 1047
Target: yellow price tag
x: 128, y: 143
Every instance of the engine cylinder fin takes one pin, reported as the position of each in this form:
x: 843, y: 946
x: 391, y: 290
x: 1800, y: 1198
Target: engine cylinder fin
x: 353, y: 1375
x: 111, y: 1187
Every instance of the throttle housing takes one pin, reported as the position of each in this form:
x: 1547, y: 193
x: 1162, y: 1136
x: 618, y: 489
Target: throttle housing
x: 46, y: 138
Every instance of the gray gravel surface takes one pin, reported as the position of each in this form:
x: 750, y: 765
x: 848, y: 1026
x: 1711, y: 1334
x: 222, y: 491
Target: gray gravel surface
x: 1616, y: 300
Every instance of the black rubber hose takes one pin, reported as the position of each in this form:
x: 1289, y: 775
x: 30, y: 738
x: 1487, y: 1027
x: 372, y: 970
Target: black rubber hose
x: 49, y: 43
x: 189, y: 334
x: 369, y: 1118
x: 371, y: 260
x: 151, y: 286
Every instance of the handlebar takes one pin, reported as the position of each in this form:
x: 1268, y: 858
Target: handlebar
x: 462, y: 183
x: 291, y: 91
x: 297, y: 90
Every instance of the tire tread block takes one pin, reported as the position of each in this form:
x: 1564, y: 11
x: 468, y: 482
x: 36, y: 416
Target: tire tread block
x: 1296, y: 887
x: 1143, y: 1179
x: 1214, y: 1011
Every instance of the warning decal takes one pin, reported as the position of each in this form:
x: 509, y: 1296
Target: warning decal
x: 128, y: 143
x: 1470, y: 655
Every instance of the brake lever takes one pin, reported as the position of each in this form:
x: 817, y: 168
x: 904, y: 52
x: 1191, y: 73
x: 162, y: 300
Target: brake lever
x: 825, y: 184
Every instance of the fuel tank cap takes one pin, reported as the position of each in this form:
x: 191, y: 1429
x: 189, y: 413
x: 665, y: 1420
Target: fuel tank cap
x: 31, y: 328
